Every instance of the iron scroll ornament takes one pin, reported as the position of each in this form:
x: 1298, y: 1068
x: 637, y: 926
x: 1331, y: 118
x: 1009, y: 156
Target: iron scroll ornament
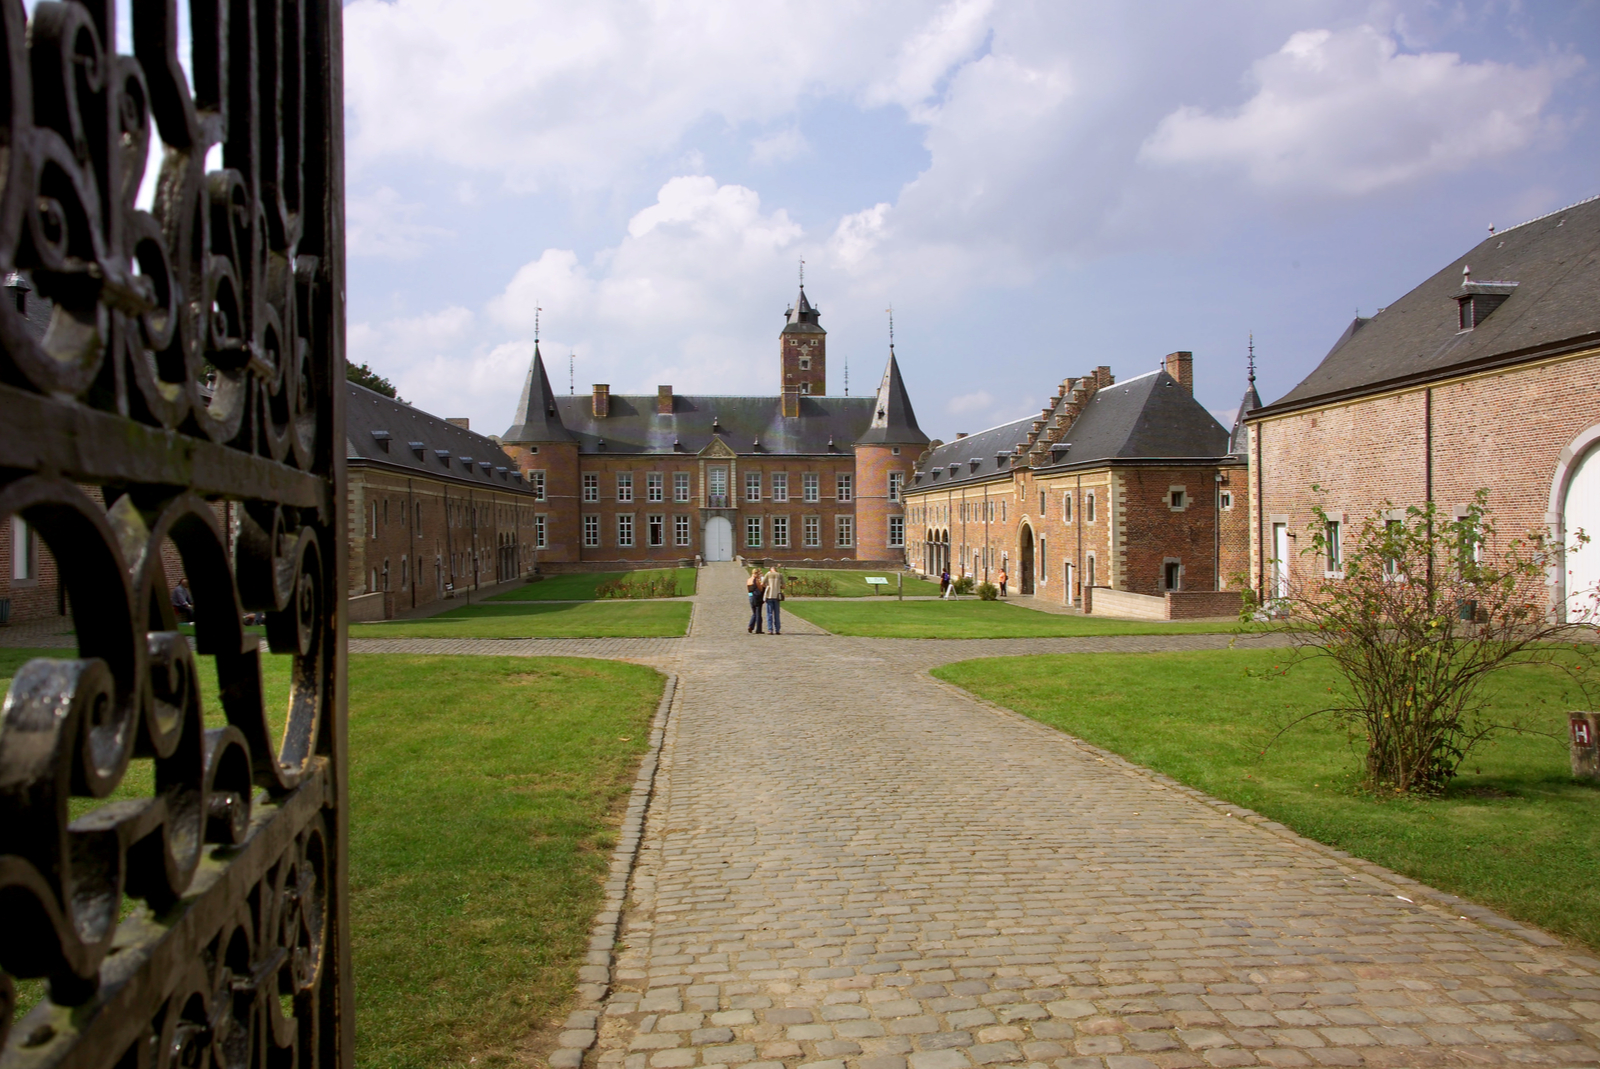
x: 184, y: 403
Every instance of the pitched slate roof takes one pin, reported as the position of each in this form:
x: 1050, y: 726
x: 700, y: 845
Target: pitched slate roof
x: 1239, y: 437
x: 1555, y: 261
x: 537, y: 420
x: 976, y: 457
x: 741, y: 422
x: 382, y: 431
x: 801, y: 317
x: 893, y: 421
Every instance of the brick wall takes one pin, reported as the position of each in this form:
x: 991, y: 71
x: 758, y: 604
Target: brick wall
x: 873, y: 465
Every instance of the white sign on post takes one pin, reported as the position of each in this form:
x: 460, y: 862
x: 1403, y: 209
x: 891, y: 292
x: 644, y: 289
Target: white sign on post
x: 876, y: 580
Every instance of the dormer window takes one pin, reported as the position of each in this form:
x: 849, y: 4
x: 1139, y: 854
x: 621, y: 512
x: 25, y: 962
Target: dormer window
x: 1478, y: 300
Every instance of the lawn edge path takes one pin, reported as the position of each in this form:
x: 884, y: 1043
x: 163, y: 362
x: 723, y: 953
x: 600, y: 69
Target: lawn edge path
x: 579, y: 1032
x: 1414, y: 891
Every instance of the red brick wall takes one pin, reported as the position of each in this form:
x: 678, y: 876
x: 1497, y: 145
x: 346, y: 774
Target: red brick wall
x: 873, y: 463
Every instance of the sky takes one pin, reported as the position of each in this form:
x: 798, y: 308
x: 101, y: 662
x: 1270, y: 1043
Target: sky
x: 1034, y: 188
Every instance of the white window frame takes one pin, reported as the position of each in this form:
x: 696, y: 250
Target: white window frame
x: 844, y: 531
x: 540, y: 522
x: 681, y: 534
x: 624, y: 486
x: 780, y: 486
x: 752, y: 532
x: 1178, y: 498
x: 591, y: 486
x: 1089, y: 506
x: 780, y: 532
x: 811, y: 484
x: 897, y: 482
x: 680, y: 486
x: 1225, y: 500
x: 537, y: 478
x: 625, y: 530
x: 843, y: 486
x: 591, y: 530
x: 897, y: 532
x: 655, y: 529
x: 811, y: 532
x: 654, y: 487
x: 752, y: 486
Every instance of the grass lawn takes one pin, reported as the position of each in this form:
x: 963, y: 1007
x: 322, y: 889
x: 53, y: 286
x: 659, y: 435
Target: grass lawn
x: 484, y: 796
x: 887, y: 618
x: 853, y: 584
x: 581, y: 587
x: 598, y: 619
x: 1516, y: 832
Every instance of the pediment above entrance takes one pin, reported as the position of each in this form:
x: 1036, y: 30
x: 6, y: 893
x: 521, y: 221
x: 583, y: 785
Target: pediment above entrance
x: 717, y: 449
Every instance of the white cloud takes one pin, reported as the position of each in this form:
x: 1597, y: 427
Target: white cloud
x: 952, y: 35
x: 979, y: 401
x: 381, y: 224
x: 1346, y: 112
x: 781, y: 147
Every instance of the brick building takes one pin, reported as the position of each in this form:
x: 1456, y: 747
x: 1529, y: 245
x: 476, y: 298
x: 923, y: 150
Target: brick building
x: 434, y: 509
x: 794, y: 476
x: 1486, y: 375
x: 1126, y: 487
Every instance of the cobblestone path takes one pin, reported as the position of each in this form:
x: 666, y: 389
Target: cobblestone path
x: 849, y: 865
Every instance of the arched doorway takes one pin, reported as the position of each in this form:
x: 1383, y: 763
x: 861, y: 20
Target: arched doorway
x: 1026, y: 584
x: 1580, y: 510
x: 719, y: 539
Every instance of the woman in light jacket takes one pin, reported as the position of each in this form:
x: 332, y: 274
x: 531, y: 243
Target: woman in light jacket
x: 754, y: 588
x: 773, y: 591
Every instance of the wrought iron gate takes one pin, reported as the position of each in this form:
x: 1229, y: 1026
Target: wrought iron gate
x: 175, y: 875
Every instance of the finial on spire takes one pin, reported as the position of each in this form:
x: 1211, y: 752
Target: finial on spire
x: 536, y: 311
x: 802, y: 273
x: 891, y: 329
x: 572, y: 384
x: 1252, y: 363
x: 1466, y: 273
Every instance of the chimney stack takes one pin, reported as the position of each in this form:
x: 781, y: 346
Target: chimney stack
x: 460, y: 421
x: 1180, y: 366
x: 791, y: 400
x: 663, y: 400
x: 602, y: 400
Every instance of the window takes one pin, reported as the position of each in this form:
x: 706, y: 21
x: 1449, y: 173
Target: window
x: 624, y: 486
x: 752, y: 486
x: 539, y: 532
x: 1171, y: 574
x: 1225, y: 500
x: 1041, y: 502
x: 1470, y: 544
x: 386, y: 573
x: 895, y: 450
x: 1335, y: 546
x: 591, y: 488
x: 780, y: 532
x: 680, y: 486
x: 780, y: 486
x: 654, y: 489
x: 897, y: 480
x: 538, y: 484
x: 1394, y: 534
x: 1002, y: 512
x: 591, y: 530
x: 813, y: 531
x: 625, y: 529
x: 1044, y: 576
x: 656, y: 530
x: 405, y: 571
x: 844, y: 530
x: 717, y: 480
x: 680, y: 530
x: 24, y: 550
x: 805, y: 363
x: 1066, y: 506
x: 812, y: 486
x: 752, y: 532
x: 842, y: 486
x: 1088, y: 506
x: 1177, y: 498
x: 897, y: 532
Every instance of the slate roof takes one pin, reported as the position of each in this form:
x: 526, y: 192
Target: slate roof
x: 1239, y: 437
x: 634, y: 427
x: 801, y: 317
x: 537, y: 420
x: 367, y: 412
x: 893, y: 421
x: 1555, y: 261
x: 1146, y: 418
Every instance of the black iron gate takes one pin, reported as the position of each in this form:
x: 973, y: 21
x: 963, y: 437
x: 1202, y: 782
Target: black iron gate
x: 172, y: 877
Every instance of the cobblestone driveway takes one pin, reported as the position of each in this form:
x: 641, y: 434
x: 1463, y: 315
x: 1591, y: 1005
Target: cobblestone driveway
x: 849, y: 865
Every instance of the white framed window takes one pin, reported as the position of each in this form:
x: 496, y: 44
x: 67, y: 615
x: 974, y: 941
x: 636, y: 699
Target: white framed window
x: 625, y: 529
x: 844, y: 531
x: 1088, y: 507
x: 1177, y: 498
x: 812, y: 484
x: 537, y: 479
x: 897, y: 482
x: 812, y: 531
x: 591, y: 487
x: 1044, y: 576
x: 752, y: 532
x: 717, y: 487
x: 654, y: 487
x: 624, y: 486
x: 1335, y: 537
x: 24, y: 551
x: 1225, y: 500
x: 780, y: 532
x: 1066, y: 507
x: 680, y: 530
x: 680, y: 486
x: 752, y: 486
x: 780, y: 486
x: 897, y: 532
x: 1172, y: 574
x: 655, y: 529
x: 591, y: 530
x: 539, y: 528
x: 843, y: 485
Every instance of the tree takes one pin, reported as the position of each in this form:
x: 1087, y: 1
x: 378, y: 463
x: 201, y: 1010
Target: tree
x: 363, y: 375
x: 1416, y: 611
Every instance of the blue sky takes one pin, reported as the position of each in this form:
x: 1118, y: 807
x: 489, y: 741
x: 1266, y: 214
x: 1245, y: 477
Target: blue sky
x: 1038, y: 188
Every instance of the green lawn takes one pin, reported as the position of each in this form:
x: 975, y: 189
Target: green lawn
x: 887, y: 618
x: 581, y: 587
x: 853, y: 584
x: 1516, y: 832
x: 597, y: 619
x: 484, y: 797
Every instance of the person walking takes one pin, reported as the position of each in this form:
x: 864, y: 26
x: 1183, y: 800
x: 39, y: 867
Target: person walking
x: 773, y: 590
x: 944, y: 582
x: 1002, y: 578
x: 183, y: 601
x: 755, y: 590
x: 950, y: 588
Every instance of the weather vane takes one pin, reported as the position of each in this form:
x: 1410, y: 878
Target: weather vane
x: 1252, y: 358
x: 572, y: 382
x: 536, y: 311
x: 802, y: 273
x: 891, y: 328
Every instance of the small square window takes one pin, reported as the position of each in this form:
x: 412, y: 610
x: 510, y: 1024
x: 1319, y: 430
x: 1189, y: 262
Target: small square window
x: 1177, y: 498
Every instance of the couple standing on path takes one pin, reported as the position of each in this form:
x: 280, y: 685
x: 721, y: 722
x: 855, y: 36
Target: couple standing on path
x: 766, y: 589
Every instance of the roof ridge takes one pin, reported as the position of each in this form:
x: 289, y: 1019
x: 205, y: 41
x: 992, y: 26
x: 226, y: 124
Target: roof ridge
x: 1546, y: 215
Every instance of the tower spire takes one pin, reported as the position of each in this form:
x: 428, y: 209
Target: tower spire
x: 536, y: 311
x: 891, y: 328
x: 802, y: 272
x: 1252, y: 359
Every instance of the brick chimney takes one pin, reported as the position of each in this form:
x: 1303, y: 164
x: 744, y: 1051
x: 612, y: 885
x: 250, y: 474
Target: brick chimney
x: 460, y: 421
x: 1180, y: 366
x: 602, y: 400
x: 663, y: 400
x: 1103, y: 377
x: 791, y: 400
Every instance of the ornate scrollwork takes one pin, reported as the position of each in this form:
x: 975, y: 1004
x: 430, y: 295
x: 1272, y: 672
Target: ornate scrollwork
x: 182, y: 406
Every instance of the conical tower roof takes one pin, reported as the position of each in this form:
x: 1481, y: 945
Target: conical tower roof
x: 801, y: 317
x: 1239, y: 439
x: 893, y: 421
x: 537, y: 417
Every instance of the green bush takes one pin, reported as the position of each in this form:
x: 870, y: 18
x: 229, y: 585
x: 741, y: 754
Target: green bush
x: 808, y: 586
x: 965, y: 584
x: 650, y: 585
x: 988, y: 592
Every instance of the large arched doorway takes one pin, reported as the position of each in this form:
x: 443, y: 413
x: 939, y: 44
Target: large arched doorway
x: 1026, y: 584
x: 719, y: 539
x: 1580, y: 511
